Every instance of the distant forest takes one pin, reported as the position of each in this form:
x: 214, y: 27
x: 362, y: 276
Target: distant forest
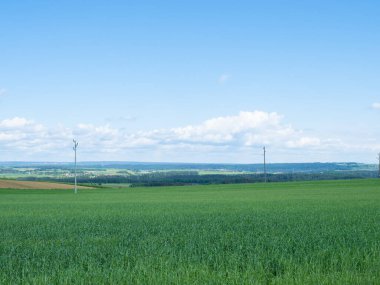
x: 155, y: 166
x: 166, y: 174
x: 173, y: 178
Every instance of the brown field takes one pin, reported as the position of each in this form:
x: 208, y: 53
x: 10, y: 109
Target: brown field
x: 13, y: 184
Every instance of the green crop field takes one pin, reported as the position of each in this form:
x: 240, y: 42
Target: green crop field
x: 286, y: 233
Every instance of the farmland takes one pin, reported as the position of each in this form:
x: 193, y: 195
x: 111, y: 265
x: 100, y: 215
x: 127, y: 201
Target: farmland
x: 120, y: 174
x: 325, y: 232
x: 14, y: 184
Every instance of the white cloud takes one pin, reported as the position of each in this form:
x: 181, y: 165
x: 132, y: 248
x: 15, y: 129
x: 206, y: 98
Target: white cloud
x: 236, y: 137
x: 223, y: 78
x: 230, y: 129
x: 15, y: 122
x: 304, y: 142
x: 376, y: 106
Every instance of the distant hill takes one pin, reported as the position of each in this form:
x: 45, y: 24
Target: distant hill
x: 152, y: 166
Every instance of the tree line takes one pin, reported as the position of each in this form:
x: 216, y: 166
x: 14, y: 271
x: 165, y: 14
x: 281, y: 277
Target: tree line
x: 178, y: 178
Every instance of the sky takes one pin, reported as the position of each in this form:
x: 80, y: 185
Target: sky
x: 190, y: 81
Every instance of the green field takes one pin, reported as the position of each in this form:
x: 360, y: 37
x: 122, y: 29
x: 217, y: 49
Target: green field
x: 304, y: 233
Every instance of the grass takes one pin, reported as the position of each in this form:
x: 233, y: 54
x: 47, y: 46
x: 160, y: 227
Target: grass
x: 305, y: 233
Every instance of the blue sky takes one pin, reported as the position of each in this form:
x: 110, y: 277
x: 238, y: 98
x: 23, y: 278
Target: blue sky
x: 190, y: 81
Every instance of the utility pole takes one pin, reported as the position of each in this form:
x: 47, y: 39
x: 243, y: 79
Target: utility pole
x: 75, y: 166
x: 265, y: 167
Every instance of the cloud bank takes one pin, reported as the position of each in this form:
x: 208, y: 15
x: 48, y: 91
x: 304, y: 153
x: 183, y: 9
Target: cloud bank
x: 222, y: 139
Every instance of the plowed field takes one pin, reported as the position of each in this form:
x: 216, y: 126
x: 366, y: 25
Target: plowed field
x: 13, y: 184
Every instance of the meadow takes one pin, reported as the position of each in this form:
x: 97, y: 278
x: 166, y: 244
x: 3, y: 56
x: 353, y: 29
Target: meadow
x: 325, y: 232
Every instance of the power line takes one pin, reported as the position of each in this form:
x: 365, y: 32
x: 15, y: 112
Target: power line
x: 75, y: 166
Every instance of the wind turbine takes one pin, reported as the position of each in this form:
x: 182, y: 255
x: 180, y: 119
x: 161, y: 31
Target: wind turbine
x: 75, y: 166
